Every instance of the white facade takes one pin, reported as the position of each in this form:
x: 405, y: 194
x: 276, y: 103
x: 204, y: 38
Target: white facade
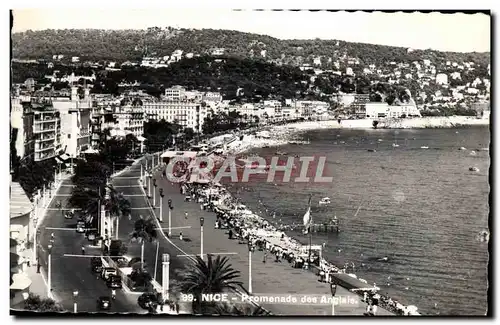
x: 383, y: 110
x: 442, y: 79
x: 75, y: 121
x: 175, y: 93
x: 130, y: 119
x: 190, y: 114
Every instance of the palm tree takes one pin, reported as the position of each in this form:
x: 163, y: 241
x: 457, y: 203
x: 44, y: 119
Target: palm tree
x: 144, y: 230
x: 118, y: 206
x: 212, y: 276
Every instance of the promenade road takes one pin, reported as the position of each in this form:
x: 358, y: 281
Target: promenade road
x: 74, y: 273
x: 269, y: 278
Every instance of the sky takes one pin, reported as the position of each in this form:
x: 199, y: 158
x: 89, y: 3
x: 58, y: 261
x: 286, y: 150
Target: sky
x: 444, y: 32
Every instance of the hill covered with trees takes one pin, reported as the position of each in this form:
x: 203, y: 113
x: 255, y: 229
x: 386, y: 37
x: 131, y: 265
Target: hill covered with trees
x: 123, y: 45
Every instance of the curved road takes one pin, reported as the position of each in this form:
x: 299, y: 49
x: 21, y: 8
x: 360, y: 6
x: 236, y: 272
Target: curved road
x: 74, y: 273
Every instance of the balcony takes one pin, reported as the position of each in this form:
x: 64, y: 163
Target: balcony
x: 42, y: 156
x: 47, y: 120
x: 44, y: 129
x: 44, y: 148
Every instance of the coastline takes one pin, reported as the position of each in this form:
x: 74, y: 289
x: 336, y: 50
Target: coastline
x: 283, y: 134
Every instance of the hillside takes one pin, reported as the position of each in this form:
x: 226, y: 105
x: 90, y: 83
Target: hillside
x: 123, y: 45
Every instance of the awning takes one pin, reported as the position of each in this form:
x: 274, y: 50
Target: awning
x: 21, y: 281
x: 64, y: 156
x: 90, y: 150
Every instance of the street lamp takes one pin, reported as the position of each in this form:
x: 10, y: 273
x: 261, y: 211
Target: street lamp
x: 333, y: 290
x: 150, y: 175
x: 202, y: 221
x: 154, y: 193
x: 75, y: 306
x: 170, y: 208
x: 161, y: 204
x: 250, y: 248
x: 166, y: 276
x: 49, y: 269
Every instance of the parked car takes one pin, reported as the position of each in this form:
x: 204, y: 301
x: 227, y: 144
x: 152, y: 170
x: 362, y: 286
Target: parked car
x: 96, y: 264
x: 114, y: 281
x: 107, y: 271
x: 80, y: 227
x: 146, y: 299
x: 103, y: 303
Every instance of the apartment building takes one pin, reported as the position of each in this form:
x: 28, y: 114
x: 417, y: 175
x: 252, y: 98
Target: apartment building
x: 46, y: 130
x: 130, y: 118
x: 21, y: 121
x: 75, y: 121
x: 189, y: 114
x: 175, y: 93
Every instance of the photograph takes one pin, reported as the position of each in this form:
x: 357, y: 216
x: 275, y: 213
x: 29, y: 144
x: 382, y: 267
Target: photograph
x: 237, y: 162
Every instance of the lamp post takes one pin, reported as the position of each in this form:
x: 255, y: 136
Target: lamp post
x: 250, y: 247
x: 150, y: 175
x: 202, y: 221
x: 161, y: 204
x: 49, y: 269
x: 170, y: 208
x: 75, y: 305
x: 165, y: 277
x: 154, y: 193
x: 333, y: 289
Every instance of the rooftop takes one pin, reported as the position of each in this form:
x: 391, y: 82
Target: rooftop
x: 19, y: 202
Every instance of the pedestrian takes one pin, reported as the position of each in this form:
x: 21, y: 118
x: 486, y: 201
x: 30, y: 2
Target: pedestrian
x: 277, y: 256
x: 365, y: 296
x: 83, y: 250
x: 186, y: 215
x: 264, y: 258
x: 230, y: 234
x: 180, y: 236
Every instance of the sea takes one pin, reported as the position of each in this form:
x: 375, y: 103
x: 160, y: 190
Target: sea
x: 410, y: 211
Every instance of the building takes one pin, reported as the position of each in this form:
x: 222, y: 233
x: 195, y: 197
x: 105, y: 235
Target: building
x: 212, y: 97
x: 46, y: 130
x: 384, y: 110
x: 22, y: 121
x: 175, y: 93
x: 21, y: 235
x: 189, y: 114
x: 442, y: 79
x: 75, y: 121
x: 130, y: 118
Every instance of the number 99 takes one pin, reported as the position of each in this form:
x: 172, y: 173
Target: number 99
x: 187, y: 298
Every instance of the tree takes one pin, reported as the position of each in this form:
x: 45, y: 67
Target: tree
x: 144, y: 230
x: 35, y: 303
x: 213, y: 276
x: 118, y: 206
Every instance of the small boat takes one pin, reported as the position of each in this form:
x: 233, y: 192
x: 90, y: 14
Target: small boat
x: 472, y: 153
x: 342, y: 142
x: 395, y: 145
x: 281, y: 153
x: 324, y: 201
x: 380, y: 140
x: 473, y: 169
x: 462, y: 148
x: 424, y: 147
x: 372, y: 150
